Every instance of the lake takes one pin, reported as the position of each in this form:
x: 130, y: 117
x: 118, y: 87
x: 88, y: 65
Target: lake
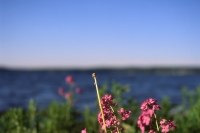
x: 18, y: 87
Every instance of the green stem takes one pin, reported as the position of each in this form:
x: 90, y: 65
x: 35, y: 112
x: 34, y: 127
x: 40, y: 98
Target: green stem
x: 156, y: 122
x: 112, y: 109
x: 95, y: 82
x: 117, y: 130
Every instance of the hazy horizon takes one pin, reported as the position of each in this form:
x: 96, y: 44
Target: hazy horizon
x: 100, y: 67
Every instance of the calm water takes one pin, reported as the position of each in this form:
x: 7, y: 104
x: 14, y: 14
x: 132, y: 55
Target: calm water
x: 18, y: 87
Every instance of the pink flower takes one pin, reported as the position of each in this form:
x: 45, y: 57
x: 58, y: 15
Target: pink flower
x: 78, y: 90
x: 68, y: 95
x: 167, y: 125
x: 171, y: 124
x: 163, y: 121
x: 69, y: 79
x: 119, y: 128
x: 141, y: 126
x: 148, y: 108
x: 100, y: 120
x: 107, y: 101
x: 144, y: 119
x: 60, y: 91
x: 165, y: 128
x: 152, y: 131
x: 124, y: 113
x: 150, y: 104
x: 84, y: 131
x: 111, y: 121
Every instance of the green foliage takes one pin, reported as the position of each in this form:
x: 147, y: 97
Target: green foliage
x: 188, y: 119
x: 166, y: 107
x: 12, y: 121
x: 90, y: 120
x: 58, y: 118
x: 63, y: 118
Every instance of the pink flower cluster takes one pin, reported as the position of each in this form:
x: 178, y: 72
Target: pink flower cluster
x: 148, y: 108
x: 148, y: 116
x: 146, y: 119
x: 69, y: 94
x: 111, y: 121
x: 167, y: 125
x: 124, y: 113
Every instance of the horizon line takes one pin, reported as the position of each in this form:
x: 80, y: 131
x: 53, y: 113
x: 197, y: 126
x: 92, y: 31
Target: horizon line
x: 104, y: 67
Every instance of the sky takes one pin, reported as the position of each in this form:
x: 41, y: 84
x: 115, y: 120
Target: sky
x: 101, y: 33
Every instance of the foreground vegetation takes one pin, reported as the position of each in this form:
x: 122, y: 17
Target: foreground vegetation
x: 64, y: 118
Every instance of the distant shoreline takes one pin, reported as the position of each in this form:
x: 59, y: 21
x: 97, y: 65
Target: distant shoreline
x: 157, y: 70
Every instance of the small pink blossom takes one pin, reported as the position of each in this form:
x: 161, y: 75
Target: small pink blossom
x: 119, y: 128
x: 150, y: 104
x: 165, y: 128
x: 84, y: 131
x: 171, y: 125
x: 152, y: 131
x: 60, y: 91
x: 144, y: 119
x: 163, y: 121
x: 124, y: 113
x: 68, y: 95
x: 100, y: 120
x: 167, y: 125
x: 107, y: 101
x: 69, y: 79
x: 78, y: 90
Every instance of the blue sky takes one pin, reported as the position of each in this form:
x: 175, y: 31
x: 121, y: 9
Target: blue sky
x: 83, y: 33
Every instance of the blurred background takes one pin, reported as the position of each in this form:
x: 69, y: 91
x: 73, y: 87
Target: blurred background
x: 151, y: 46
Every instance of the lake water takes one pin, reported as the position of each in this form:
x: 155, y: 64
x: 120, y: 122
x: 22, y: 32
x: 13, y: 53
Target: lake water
x: 18, y: 87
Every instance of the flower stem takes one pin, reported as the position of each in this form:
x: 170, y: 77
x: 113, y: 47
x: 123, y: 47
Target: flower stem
x: 156, y: 122
x: 95, y: 83
x: 112, y: 109
x: 117, y: 130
